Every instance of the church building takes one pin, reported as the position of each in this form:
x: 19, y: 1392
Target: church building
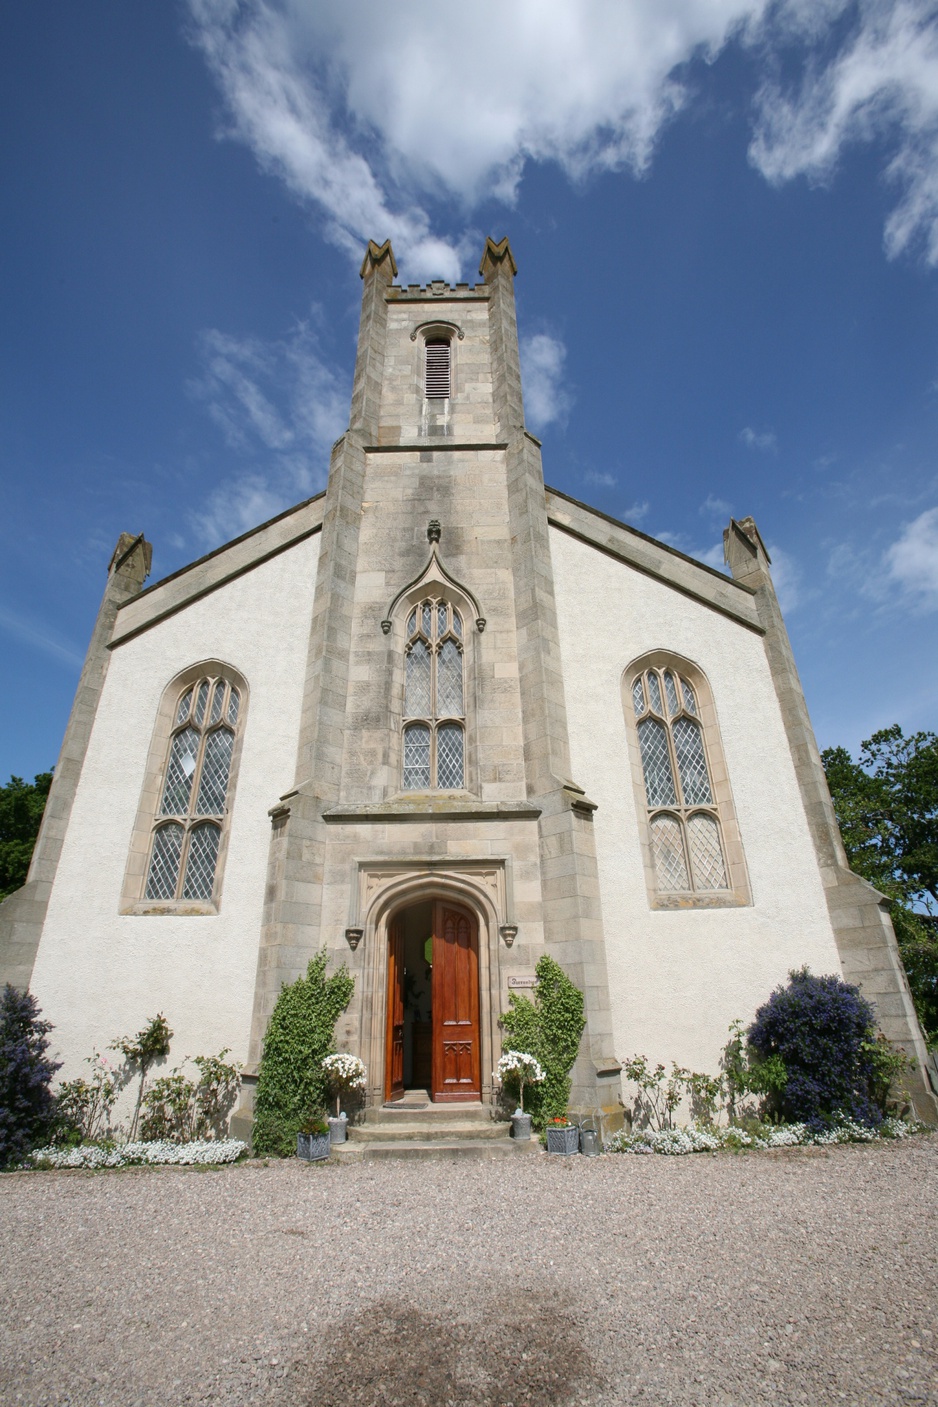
x: 440, y: 720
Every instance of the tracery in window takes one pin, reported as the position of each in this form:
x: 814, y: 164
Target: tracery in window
x: 434, y: 699
x: 683, y: 816
x: 190, y: 817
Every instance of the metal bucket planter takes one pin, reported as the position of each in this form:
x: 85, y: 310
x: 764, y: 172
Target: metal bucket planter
x: 312, y: 1147
x: 338, y: 1130
x: 521, y: 1126
x: 563, y: 1140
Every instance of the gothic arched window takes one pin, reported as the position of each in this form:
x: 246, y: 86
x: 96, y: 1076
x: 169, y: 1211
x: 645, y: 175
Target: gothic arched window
x: 434, y: 719
x: 188, y: 828
x: 686, y: 818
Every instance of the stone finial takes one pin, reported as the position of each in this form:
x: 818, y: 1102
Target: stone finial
x: 433, y: 530
x: 494, y: 256
x: 379, y: 258
x: 743, y: 547
x: 133, y: 556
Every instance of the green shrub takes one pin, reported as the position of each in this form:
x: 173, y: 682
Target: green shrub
x: 181, y: 1110
x: 549, y: 1028
x: 142, y: 1051
x: 299, y: 1037
x: 27, y: 1104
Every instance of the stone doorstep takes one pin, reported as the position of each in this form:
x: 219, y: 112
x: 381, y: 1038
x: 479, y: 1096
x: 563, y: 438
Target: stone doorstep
x: 391, y: 1115
x: 451, y: 1130
x: 477, y: 1148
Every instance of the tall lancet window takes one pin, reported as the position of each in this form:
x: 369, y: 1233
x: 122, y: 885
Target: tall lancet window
x: 434, y: 699
x: 684, y: 821
x: 438, y: 369
x: 190, y: 820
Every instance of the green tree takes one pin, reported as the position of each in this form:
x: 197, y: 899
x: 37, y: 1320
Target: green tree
x: 887, y: 807
x: 21, y: 807
x: 290, y: 1081
x: 549, y: 1028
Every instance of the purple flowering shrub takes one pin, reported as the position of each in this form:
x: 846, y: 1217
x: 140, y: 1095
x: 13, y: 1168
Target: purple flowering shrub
x: 823, y: 1031
x: 27, y: 1104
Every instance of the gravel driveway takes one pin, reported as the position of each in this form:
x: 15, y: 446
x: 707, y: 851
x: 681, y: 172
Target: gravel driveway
x: 803, y: 1275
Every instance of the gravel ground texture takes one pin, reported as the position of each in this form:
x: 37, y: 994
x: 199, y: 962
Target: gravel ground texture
x: 803, y: 1275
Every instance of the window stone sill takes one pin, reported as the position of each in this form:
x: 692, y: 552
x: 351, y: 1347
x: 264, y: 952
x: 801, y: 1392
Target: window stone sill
x: 435, y: 807
x: 727, y: 899
x: 160, y: 908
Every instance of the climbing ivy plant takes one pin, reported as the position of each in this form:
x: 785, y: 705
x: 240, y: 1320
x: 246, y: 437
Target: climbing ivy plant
x: 299, y: 1037
x: 549, y: 1028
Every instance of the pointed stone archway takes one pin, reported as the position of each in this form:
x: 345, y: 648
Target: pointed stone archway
x: 457, y: 1004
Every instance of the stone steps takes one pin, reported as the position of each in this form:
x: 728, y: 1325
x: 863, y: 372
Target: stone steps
x: 479, y: 1148
x: 428, y: 1131
x: 415, y: 1128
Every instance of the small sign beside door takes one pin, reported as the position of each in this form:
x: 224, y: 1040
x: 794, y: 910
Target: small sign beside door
x: 522, y: 982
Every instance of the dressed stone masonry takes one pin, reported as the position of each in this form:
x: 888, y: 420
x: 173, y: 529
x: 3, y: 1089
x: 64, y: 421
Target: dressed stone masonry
x: 477, y: 722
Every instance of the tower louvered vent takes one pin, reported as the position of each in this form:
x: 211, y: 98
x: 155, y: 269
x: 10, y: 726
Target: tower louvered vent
x: 438, y: 377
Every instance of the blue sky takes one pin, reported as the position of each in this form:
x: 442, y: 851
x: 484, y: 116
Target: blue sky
x: 725, y: 217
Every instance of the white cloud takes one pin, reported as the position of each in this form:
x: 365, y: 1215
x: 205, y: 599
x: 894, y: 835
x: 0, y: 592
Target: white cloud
x: 636, y: 512
x: 715, y: 507
x: 713, y: 557
x: 882, y: 84
x: 763, y: 440
x: 280, y: 406
x: 370, y: 111
x: 39, y: 636
x: 601, y: 480
x: 912, y: 560
x: 786, y: 578
x: 546, y: 398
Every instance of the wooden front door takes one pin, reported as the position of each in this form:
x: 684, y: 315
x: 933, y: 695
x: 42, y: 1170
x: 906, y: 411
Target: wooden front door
x: 456, y: 1045
x: 394, y: 1062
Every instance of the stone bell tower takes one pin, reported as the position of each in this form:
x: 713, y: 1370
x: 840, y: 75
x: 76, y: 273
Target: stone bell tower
x: 436, y: 493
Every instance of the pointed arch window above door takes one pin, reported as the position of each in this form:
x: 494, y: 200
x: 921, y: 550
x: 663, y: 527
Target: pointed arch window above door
x: 434, y: 714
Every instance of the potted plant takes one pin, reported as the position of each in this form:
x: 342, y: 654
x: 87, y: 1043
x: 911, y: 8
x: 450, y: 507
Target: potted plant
x: 517, y: 1067
x: 312, y: 1141
x: 345, y: 1074
x: 562, y: 1135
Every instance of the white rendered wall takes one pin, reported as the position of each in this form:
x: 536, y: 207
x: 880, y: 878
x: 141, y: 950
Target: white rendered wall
x: 100, y: 974
x: 679, y: 977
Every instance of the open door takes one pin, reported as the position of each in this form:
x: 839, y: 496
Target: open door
x: 456, y: 1045
x: 394, y: 1072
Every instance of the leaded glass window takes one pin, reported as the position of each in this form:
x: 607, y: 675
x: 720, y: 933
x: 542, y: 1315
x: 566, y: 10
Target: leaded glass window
x: 434, y: 699
x: 193, y: 802
x: 683, y: 819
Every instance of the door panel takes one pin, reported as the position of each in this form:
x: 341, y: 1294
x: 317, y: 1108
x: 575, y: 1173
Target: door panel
x: 394, y: 1058
x: 456, y: 1044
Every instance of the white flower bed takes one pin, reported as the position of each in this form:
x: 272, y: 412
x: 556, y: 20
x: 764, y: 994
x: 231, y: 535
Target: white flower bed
x: 128, y: 1155
x: 696, y: 1140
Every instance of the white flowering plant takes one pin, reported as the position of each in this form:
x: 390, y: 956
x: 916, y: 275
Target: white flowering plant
x: 345, y: 1074
x: 128, y: 1155
x: 517, y: 1067
x: 676, y: 1141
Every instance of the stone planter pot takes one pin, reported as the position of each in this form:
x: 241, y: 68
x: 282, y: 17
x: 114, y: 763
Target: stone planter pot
x: 563, y: 1140
x: 312, y: 1147
x: 338, y: 1130
x: 589, y: 1143
x: 521, y: 1126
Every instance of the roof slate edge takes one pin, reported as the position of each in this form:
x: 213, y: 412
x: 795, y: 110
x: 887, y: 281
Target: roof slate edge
x: 584, y: 524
